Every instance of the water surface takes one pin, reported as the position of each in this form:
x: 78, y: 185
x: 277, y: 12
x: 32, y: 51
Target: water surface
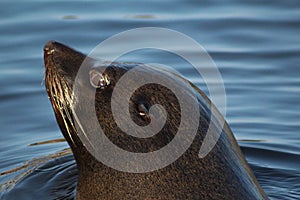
x: 255, y: 45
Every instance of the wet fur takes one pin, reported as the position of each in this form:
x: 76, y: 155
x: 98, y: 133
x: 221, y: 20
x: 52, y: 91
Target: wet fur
x: 222, y: 174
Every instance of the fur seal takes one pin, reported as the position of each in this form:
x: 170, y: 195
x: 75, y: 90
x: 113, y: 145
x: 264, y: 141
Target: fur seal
x: 222, y: 174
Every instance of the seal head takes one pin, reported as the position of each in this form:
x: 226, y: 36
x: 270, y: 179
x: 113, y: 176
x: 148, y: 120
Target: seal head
x: 222, y: 174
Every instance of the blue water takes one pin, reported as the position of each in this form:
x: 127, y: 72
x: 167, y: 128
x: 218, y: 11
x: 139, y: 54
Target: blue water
x: 255, y: 45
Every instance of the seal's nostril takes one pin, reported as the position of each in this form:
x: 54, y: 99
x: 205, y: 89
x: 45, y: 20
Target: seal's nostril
x: 49, y: 51
x: 49, y: 48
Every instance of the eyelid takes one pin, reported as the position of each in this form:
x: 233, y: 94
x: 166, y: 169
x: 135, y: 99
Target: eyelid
x: 98, y: 80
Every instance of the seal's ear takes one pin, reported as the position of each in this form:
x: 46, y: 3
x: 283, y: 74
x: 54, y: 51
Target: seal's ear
x: 143, y: 111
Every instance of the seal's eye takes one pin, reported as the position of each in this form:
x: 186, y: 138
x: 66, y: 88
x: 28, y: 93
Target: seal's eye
x: 99, y: 80
x: 143, y: 112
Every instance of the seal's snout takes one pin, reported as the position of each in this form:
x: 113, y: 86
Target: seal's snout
x: 60, y: 57
x: 49, y: 48
x: 53, y: 47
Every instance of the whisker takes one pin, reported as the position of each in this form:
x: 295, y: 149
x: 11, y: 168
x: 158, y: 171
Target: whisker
x: 59, y: 93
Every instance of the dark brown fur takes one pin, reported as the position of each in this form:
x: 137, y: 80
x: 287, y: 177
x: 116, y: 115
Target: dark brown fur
x: 222, y: 174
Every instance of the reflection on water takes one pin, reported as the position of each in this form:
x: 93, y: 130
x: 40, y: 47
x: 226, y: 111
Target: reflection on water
x: 255, y: 44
